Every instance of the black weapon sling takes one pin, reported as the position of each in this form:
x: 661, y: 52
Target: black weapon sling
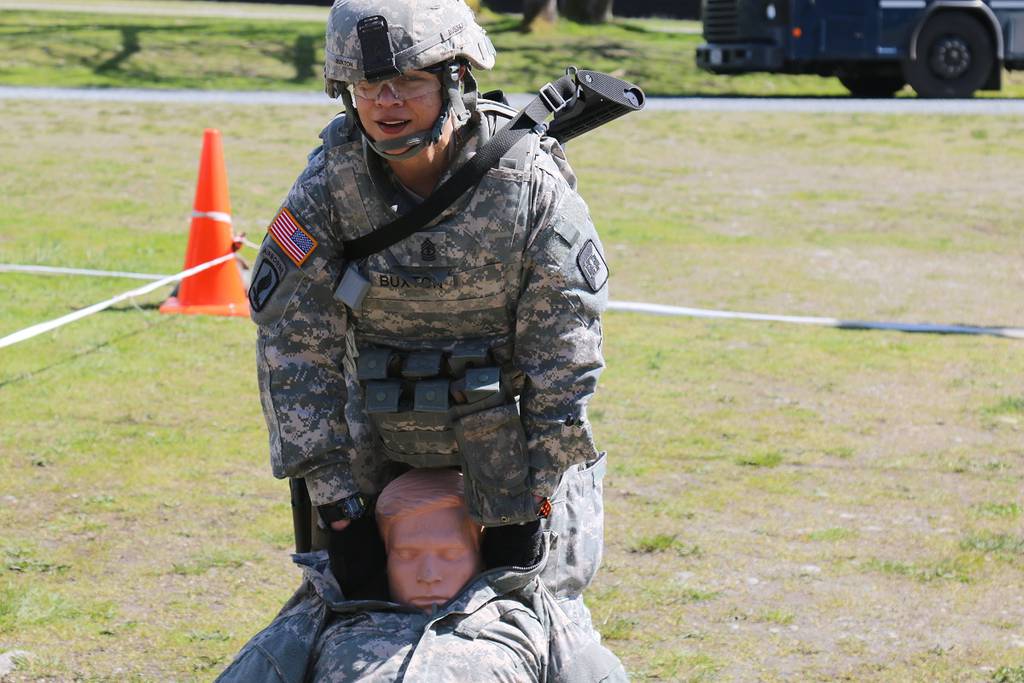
x: 579, y: 101
x: 552, y: 99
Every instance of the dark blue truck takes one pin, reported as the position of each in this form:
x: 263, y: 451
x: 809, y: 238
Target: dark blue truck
x: 942, y: 48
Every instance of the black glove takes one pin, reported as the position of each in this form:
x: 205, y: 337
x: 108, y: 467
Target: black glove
x: 358, y: 560
x: 515, y: 545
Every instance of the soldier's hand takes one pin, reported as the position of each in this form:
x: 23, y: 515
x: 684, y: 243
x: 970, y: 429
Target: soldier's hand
x: 340, y: 524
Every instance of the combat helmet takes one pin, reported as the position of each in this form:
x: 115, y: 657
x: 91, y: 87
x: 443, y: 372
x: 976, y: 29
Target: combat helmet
x: 375, y: 40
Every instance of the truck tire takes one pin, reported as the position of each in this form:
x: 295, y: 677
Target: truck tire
x: 868, y: 84
x: 954, y: 57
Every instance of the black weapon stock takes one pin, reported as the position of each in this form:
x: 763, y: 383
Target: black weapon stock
x: 600, y: 98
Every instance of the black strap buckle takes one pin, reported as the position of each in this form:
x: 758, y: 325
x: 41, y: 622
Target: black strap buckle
x: 552, y: 99
x: 378, y: 55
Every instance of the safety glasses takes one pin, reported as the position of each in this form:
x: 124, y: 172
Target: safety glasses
x: 404, y: 87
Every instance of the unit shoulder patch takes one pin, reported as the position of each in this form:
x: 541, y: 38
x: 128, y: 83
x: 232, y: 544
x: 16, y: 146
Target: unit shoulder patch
x: 264, y: 281
x: 293, y: 239
x: 592, y: 266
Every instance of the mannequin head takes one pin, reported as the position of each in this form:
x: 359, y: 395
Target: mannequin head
x: 433, y: 546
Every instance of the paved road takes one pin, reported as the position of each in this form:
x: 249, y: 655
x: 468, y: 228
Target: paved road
x: 838, y: 105
x: 171, y: 9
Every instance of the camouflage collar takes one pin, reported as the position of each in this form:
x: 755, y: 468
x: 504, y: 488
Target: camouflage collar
x: 497, y: 583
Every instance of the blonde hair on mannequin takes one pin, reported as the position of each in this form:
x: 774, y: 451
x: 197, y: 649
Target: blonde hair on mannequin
x: 421, y: 491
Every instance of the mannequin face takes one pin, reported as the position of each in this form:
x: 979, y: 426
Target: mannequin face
x: 431, y: 557
x: 386, y: 117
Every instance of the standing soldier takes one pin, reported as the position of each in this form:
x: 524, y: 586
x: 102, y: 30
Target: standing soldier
x: 473, y: 342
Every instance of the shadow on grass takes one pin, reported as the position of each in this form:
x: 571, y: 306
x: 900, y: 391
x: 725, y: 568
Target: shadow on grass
x: 303, y: 58
x: 643, y: 30
x: 131, y: 308
x: 514, y: 24
x: 32, y: 374
x: 511, y: 24
x: 129, y: 46
x: 136, y: 39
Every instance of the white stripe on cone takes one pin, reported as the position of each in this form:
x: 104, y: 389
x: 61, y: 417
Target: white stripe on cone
x: 218, y: 216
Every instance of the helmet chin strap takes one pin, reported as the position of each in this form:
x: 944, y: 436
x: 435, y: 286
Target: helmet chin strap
x: 420, y: 140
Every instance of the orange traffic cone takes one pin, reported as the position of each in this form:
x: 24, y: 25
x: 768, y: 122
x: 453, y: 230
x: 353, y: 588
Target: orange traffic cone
x: 218, y: 290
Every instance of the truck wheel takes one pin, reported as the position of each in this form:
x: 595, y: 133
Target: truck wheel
x: 871, y: 85
x: 954, y: 57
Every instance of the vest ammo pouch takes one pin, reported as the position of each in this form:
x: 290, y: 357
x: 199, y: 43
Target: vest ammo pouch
x: 454, y: 408
x: 495, y: 464
x: 413, y: 398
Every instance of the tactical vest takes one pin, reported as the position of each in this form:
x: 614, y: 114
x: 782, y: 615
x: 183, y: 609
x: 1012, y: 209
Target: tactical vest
x: 431, y: 344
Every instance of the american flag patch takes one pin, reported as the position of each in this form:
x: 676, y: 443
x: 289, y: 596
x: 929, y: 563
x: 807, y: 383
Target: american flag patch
x: 291, y: 237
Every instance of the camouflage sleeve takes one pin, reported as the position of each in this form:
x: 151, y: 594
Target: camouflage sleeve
x: 558, y: 331
x: 301, y: 341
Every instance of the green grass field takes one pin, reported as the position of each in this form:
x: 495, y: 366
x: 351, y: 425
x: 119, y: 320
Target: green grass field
x: 249, y: 50
x: 784, y: 503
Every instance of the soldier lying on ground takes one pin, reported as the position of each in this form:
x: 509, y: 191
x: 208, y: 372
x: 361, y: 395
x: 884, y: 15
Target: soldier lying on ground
x: 447, y: 621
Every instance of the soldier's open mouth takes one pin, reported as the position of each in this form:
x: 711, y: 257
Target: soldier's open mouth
x: 392, y: 127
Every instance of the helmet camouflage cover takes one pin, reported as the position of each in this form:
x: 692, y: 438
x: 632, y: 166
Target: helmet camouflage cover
x: 422, y: 33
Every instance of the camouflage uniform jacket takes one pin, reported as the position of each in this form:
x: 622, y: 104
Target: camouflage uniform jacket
x: 514, y: 265
x: 504, y: 626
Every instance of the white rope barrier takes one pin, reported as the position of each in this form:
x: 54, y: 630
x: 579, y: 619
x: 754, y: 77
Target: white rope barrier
x: 55, y: 270
x: 929, y: 328
x: 626, y: 306
x: 40, y: 328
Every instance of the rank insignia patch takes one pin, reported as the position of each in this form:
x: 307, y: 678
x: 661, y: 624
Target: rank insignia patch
x: 428, y: 250
x: 291, y: 237
x: 592, y: 266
